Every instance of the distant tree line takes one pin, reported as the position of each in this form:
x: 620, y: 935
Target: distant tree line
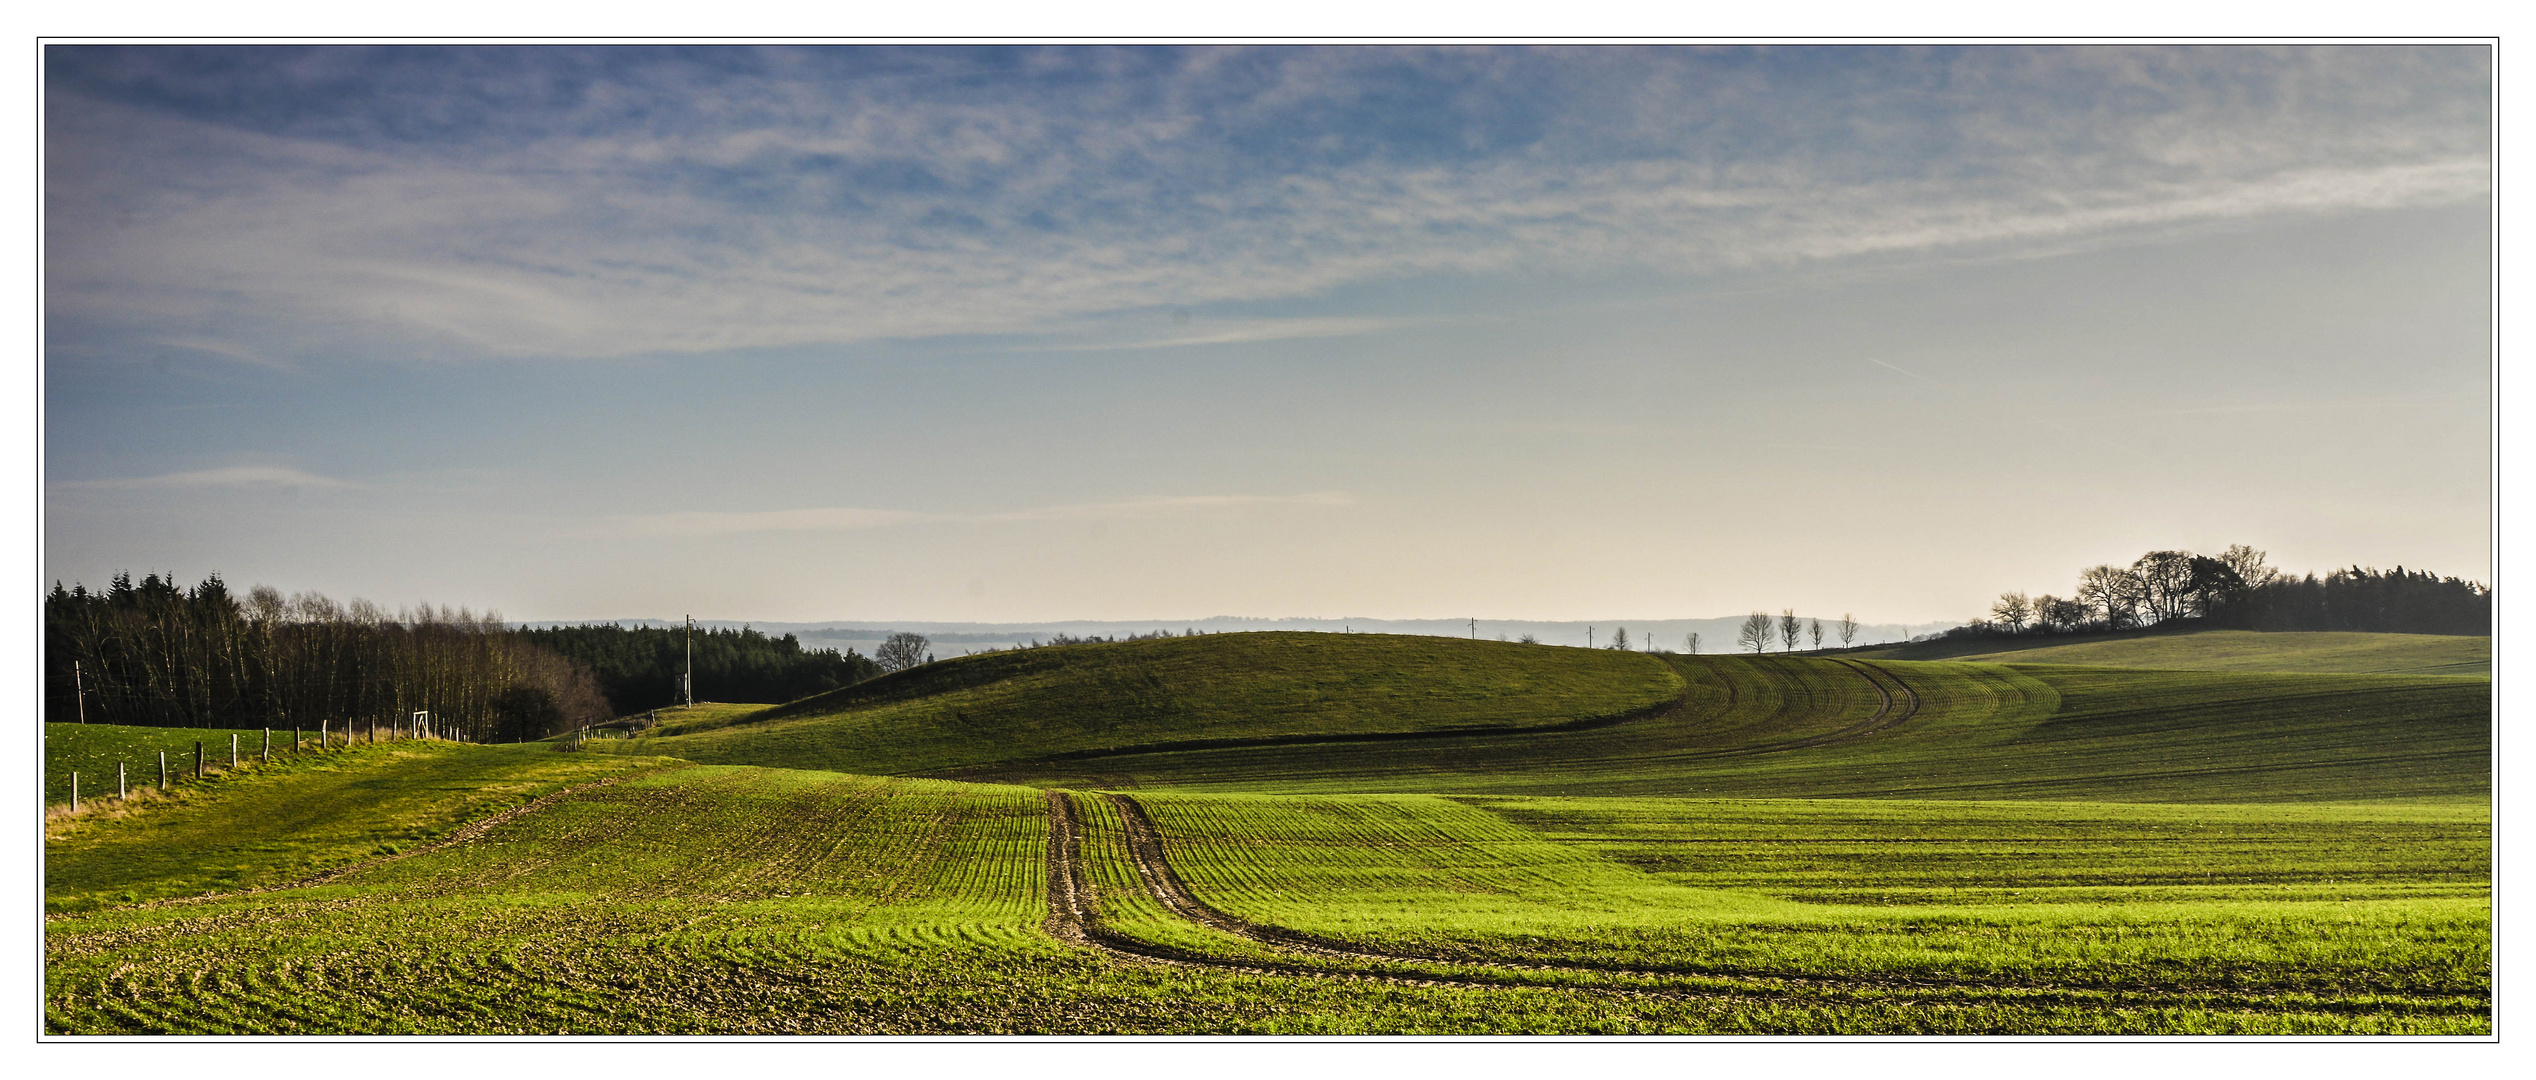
x: 2237, y: 589
x: 152, y: 653
x: 638, y: 666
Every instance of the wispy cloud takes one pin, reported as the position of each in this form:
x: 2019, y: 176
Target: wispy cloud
x: 778, y: 197
x: 853, y: 519
x: 239, y: 476
x: 1241, y: 332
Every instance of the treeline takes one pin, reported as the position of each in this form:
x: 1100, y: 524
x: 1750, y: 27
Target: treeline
x: 638, y: 667
x: 2237, y: 589
x: 152, y: 653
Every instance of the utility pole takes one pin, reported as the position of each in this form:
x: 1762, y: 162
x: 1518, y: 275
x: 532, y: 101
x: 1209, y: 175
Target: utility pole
x: 1474, y: 628
x: 1589, y: 637
x: 691, y: 662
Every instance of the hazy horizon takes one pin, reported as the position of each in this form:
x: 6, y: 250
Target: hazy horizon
x: 1048, y: 335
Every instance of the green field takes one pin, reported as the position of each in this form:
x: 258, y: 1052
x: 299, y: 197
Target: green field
x: 94, y: 750
x: 1232, y: 687
x: 2223, y: 650
x: 1353, y: 834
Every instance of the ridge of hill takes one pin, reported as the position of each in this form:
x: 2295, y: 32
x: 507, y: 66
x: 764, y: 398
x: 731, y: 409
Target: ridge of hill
x: 1210, y: 690
x: 2219, y: 650
x: 1370, y: 713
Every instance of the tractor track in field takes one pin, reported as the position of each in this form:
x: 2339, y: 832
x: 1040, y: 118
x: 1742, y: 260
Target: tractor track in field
x: 1153, y: 868
x: 1886, y: 717
x: 1018, y: 771
x: 1889, y: 713
x: 1074, y: 918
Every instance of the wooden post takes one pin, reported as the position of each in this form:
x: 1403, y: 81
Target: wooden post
x: 268, y: 746
x: 120, y: 792
x: 198, y: 759
x: 74, y: 792
x: 295, y: 747
x: 233, y: 750
x: 162, y: 770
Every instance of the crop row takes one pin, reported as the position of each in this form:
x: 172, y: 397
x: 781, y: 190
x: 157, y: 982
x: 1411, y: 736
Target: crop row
x: 1438, y: 877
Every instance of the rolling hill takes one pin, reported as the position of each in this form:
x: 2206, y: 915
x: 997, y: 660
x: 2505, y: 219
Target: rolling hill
x: 1218, y: 689
x: 2221, y: 650
x: 1369, y: 713
x: 1324, y: 833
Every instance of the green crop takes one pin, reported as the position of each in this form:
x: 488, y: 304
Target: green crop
x: 1406, y: 837
x: 2222, y: 650
x: 997, y: 707
x: 1978, y: 732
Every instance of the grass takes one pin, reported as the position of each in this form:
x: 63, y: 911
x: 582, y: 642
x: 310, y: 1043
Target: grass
x: 1981, y: 731
x: 2035, y: 849
x: 998, y: 707
x: 93, y: 751
x: 729, y: 900
x: 2223, y: 650
x: 299, y: 816
x: 705, y: 716
x: 2352, y: 918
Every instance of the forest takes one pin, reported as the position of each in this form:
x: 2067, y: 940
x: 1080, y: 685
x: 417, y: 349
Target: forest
x: 153, y: 653
x: 638, y: 667
x: 2238, y: 589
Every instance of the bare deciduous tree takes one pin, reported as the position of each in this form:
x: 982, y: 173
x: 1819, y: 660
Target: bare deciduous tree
x: 903, y: 650
x: 1788, y: 629
x: 2112, y: 593
x: 2166, y: 579
x: 1755, y: 632
x: 1619, y: 638
x: 2249, y: 565
x: 1814, y: 629
x: 1848, y: 629
x: 1693, y: 642
x: 2013, y: 610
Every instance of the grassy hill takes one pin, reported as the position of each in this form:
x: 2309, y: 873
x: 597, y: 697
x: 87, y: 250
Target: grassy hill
x: 1463, y: 837
x: 1372, y: 713
x: 2222, y: 650
x: 1979, y: 731
x: 94, y: 750
x: 1224, y: 688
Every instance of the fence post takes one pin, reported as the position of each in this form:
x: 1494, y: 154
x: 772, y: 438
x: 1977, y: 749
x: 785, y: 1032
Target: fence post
x: 268, y: 746
x: 198, y: 759
x: 120, y: 793
x: 162, y: 770
x: 233, y: 750
x: 295, y: 744
x: 74, y: 793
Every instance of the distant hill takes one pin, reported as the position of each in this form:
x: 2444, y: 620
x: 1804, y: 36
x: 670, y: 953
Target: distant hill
x: 1216, y: 688
x: 951, y: 639
x: 2221, y: 650
x: 1381, y: 713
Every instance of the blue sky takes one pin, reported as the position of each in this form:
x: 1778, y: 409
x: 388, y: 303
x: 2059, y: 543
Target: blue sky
x: 1011, y: 334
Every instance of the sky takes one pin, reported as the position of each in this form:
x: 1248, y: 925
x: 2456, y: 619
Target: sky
x: 1011, y: 334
